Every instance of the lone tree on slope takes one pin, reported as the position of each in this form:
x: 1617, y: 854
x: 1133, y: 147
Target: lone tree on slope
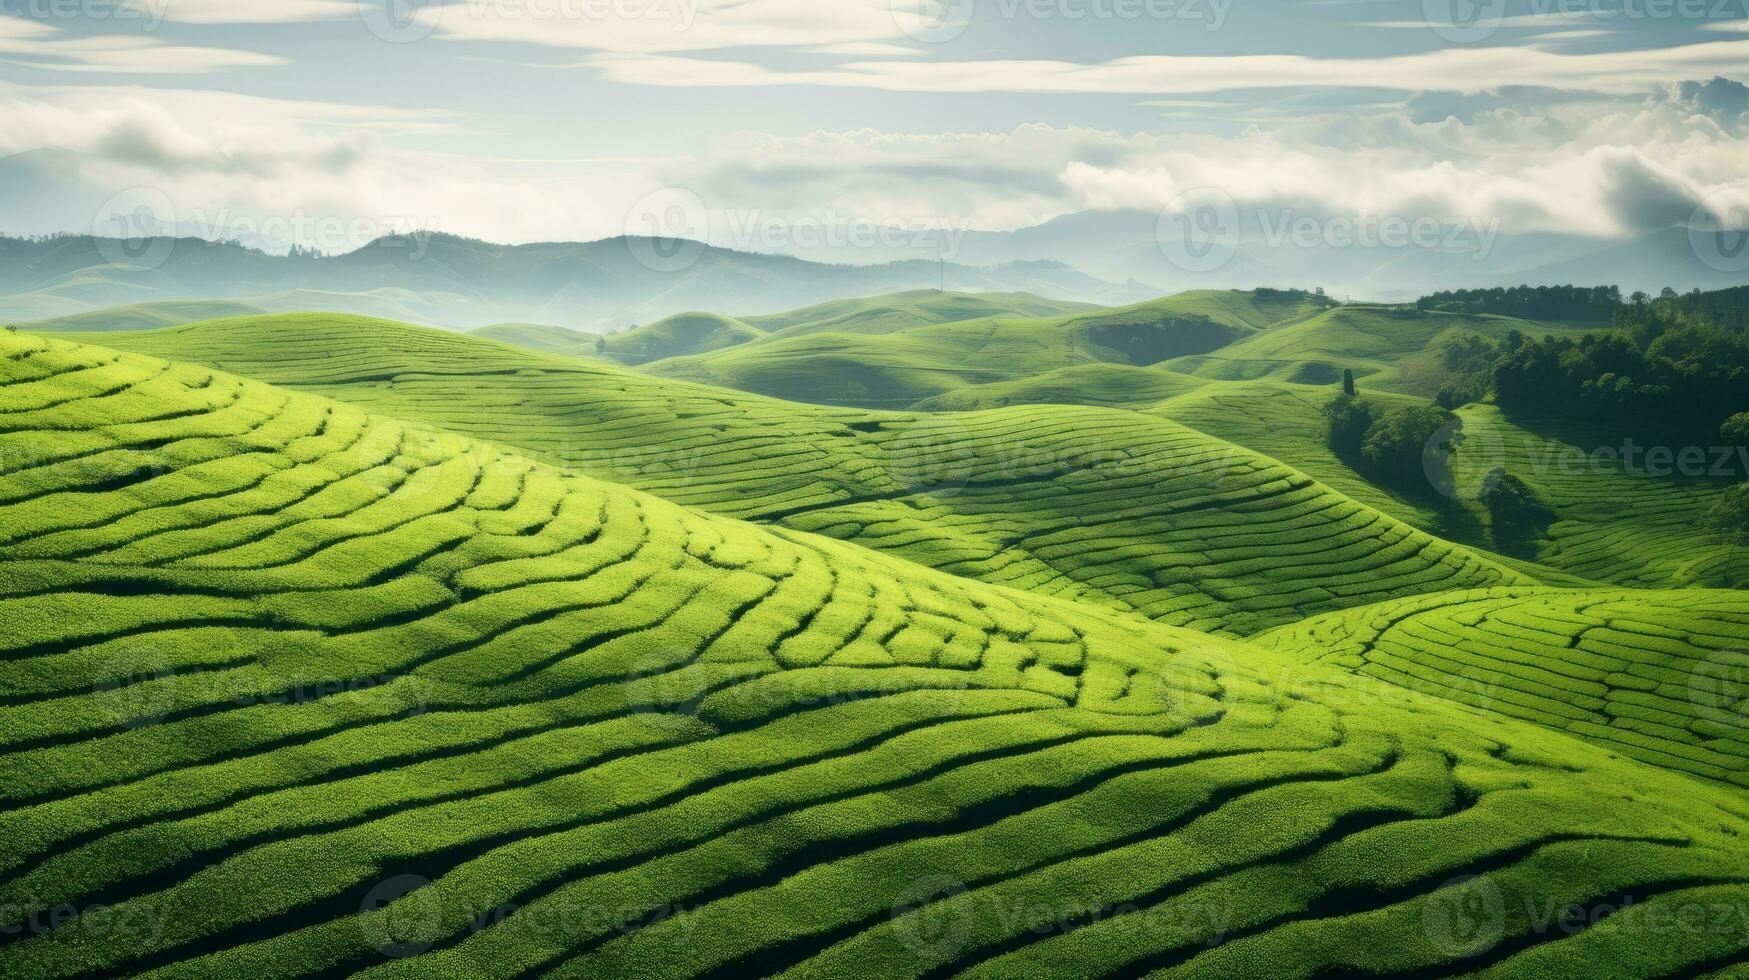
x: 1729, y: 520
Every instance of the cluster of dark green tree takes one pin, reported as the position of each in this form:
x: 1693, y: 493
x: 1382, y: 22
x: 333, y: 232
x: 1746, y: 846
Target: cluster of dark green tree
x: 1674, y: 367
x: 1405, y: 448
x: 1530, y: 302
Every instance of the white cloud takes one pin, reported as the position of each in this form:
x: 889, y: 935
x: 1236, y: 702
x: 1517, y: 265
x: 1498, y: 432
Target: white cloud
x: 251, y: 11
x: 1463, y: 69
x: 1596, y: 167
x: 46, y: 47
x: 231, y: 165
x: 677, y: 25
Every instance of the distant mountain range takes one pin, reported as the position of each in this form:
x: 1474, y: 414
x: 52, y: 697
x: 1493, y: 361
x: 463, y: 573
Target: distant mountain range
x: 1266, y: 250
x: 463, y: 284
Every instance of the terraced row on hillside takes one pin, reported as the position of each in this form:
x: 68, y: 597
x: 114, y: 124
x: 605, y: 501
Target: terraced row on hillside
x: 1624, y: 512
x: 370, y: 699
x: 1610, y: 524
x: 1127, y: 511
x: 1658, y: 676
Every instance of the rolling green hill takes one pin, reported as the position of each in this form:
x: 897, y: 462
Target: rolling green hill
x: 687, y: 334
x: 900, y: 369
x: 1385, y: 346
x: 1126, y: 511
x: 375, y: 697
x: 1103, y: 385
x: 1655, y: 676
x: 535, y: 336
x: 902, y: 311
x: 680, y: 335
x: 1616, y: 517
x: 144, y: 316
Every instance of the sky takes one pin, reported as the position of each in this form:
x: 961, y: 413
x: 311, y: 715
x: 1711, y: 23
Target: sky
x: 328, y: 122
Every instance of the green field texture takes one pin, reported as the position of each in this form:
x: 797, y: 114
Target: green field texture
x: 1127, y: 511
x: 1611, y: 524
x: 541, y: 337
x: 1101, y: 385
x: 894, y: 312
x: 1654, y: 676
x: 373, y: 696
x: 1620, y: 517
x: 897, y: 370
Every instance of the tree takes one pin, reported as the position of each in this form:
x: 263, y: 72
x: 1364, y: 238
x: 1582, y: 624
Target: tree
x: 1346, y: 421
x: 1514, y: 506
x: 1735, y: 431
x: 1410, y: 448
x: 1348, y: 382
x: 600, y: 345
x: 1729, y: 520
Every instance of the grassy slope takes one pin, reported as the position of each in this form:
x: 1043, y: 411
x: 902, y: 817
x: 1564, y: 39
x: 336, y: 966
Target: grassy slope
x: 1104, y: 385
x: 144, y: 316
x: 1656, y: 676
x: 1128, y: 511
x: 897, y: 370
x: 680, y: 335
x: 351, y: 658
x: 688, y: 334
x: 541, y: 337
x: 1610, y: 526
x: 902, y: 311
x: 1636, y: 527
x: 1386, y: 346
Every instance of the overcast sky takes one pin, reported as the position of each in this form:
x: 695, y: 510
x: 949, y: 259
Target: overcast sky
x: 527, y: 120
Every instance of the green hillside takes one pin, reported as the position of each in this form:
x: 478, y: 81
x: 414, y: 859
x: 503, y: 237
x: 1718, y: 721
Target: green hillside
x: 535, y: 336
x: 1655, y: 676
x: 374, y: 697
x: 1104, y: 385
x: 1126, y: 511
x: 678, y: 336
x: 700, y: 333
x: 899, y: 369
x: 1385, y: 346
x: 902, y: 311
x: 144, y: 316
x: 1615, y: 517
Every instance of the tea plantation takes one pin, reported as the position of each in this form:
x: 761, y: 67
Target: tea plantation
x: 300, y: 685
